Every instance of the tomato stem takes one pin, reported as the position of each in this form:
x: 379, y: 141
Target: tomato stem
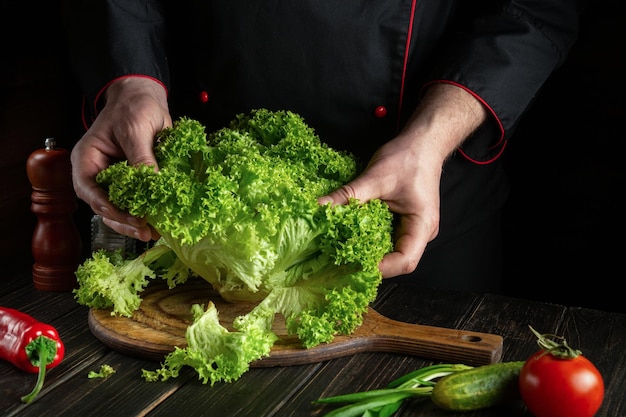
x: 558, y: 349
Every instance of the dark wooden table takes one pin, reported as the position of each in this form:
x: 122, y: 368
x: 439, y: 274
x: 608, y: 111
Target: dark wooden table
x: 289, y: 391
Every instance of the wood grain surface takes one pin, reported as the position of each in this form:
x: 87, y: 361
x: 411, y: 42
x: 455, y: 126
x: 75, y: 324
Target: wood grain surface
x: 164, y: 315
x: 289, y: 391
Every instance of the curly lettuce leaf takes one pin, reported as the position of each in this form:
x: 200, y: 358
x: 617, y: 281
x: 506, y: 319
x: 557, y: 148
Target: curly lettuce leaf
x: 238, y: 207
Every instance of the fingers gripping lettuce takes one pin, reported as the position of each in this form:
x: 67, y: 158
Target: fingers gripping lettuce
x: 239, y: 208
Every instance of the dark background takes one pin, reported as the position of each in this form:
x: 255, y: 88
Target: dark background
x: 564, y: 223
x: 564, y: 227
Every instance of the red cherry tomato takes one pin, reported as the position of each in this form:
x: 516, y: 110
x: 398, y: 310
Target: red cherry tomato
x: 560, y: 387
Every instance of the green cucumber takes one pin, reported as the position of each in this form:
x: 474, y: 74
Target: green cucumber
x: 478, y: 388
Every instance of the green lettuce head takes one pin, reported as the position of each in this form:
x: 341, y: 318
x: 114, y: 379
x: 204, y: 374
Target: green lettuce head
x: 239, y: 208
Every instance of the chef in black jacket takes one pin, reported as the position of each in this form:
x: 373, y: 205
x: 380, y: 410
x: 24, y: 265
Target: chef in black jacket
x: 425, y: 92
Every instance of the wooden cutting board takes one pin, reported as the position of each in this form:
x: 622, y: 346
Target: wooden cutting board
x: 160, y: 323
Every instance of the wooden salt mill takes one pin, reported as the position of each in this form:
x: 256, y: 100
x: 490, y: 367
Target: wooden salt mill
x: 56, y: 243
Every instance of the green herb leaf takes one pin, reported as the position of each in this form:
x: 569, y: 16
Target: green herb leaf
x: 104, y: 372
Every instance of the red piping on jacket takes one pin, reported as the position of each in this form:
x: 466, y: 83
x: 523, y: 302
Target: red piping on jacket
x: 86, y: 123
x: 501, y: 142
x: 405, y: 62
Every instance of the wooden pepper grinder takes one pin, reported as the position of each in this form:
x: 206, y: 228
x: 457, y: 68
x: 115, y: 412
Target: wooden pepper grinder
x: 56, y: 243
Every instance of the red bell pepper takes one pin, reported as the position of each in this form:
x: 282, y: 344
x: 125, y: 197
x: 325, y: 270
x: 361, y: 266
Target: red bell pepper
x: 30, y: 345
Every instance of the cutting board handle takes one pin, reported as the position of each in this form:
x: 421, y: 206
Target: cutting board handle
x: 381, y: 334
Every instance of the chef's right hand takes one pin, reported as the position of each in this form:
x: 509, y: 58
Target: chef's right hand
x: 136, y: 110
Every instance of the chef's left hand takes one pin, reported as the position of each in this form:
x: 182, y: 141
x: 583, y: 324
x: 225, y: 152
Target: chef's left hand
x: 411, y: 189
x: 406, y: 171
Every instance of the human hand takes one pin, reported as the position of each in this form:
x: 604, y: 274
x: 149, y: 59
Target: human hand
x: 406, y: 171
x: 409, y: 184
x: 135, y: 111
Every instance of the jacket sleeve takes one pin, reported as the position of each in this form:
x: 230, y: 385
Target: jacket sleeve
x: 109, y: 39
x: 503, y: 57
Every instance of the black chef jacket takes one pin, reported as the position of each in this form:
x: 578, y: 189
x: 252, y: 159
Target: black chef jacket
x: 354, y: 69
